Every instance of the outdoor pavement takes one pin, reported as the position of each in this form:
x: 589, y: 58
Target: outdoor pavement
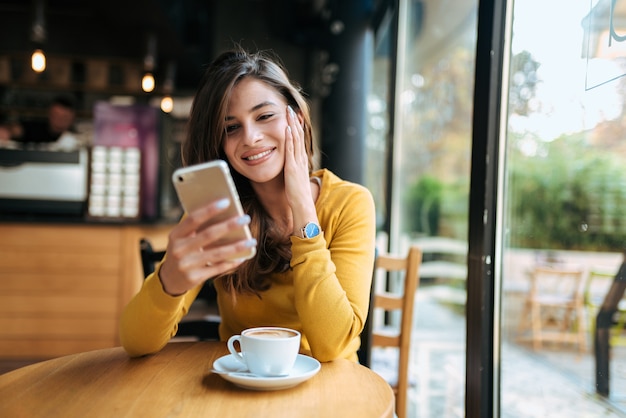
x: 553, y: 382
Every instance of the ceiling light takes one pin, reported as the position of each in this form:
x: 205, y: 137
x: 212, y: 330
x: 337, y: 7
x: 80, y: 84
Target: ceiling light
x: 147, y: 82
x: 149, y: 64
x: 38, y: 36
x: 38, y: 61
x: 167, y: 104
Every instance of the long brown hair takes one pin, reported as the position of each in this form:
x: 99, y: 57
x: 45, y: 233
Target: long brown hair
x: 206, y: 134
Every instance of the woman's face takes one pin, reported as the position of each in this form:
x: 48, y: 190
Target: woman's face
x: 256, y: 120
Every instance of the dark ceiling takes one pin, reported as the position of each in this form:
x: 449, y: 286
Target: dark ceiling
x: 184, y: 29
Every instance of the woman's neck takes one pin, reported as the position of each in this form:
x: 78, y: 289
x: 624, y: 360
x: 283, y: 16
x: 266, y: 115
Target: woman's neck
x: 272, y: 197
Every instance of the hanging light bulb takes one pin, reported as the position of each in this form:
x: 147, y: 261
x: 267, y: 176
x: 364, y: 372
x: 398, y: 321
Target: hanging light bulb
x: 38, y: 36
x: 167, y: 104
x: 147, y: 82
x: 149, y: 64
x: 38, y: 61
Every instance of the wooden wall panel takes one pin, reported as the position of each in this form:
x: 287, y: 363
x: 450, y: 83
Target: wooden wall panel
x: 57, y: 327
x: 63, y: 287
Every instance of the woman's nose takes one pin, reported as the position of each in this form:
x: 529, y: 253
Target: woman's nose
x: 252, y: 134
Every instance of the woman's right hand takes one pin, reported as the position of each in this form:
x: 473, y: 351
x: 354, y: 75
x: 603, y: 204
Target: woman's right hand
x: 192, y: 254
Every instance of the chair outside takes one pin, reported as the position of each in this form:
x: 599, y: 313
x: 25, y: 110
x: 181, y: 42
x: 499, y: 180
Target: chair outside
x: 596, y: 289
x: 392, y: 303
x: 202, y: 321
x: 554, y: 307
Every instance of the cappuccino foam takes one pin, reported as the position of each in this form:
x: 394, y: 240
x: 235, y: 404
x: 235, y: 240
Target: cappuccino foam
x: 271, y: 333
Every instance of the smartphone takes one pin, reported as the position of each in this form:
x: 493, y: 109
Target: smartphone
x: 200, y: 184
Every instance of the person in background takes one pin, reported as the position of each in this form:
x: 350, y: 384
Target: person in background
x: 5, y: 130
x: 316, y: 279
x: 60, y: 119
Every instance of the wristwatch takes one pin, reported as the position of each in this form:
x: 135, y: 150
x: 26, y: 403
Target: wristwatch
x: 310, y: 230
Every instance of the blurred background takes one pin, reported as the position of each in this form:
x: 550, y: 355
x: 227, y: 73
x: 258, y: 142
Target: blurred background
x: 490, y: 133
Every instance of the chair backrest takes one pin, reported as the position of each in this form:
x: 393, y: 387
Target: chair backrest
x: 202, y: 322
x: 149, y: 257
x: 365, y: 351
x: 396, y: 298
x: 557, y: 283
x: 598, y: 284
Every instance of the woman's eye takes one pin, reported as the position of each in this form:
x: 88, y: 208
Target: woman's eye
x: 266, y: 116
x: 231, y: 128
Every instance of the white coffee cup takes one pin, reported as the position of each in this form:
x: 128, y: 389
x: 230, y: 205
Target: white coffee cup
x: 267, y: 351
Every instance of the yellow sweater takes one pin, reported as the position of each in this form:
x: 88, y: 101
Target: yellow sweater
x: 325, y: 294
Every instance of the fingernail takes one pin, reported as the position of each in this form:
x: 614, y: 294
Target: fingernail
x: 222, y: 204
x: 291, y: 112
x: 243, y: 220
x: 251, y: 243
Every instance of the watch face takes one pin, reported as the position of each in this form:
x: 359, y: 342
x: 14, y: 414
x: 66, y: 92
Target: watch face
x: 311, y: 230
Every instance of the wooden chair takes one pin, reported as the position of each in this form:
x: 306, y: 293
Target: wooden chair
x: 389, y: 271
x: 202, y: 321
x: 596, y: 288
x: 554, y: 307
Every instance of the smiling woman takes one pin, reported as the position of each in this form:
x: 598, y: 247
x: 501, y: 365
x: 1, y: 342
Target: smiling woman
x: 314, y: 231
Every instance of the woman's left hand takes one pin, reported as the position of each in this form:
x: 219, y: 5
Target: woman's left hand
x: 297, y: 187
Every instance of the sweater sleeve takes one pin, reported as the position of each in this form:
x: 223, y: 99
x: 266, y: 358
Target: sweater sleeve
x: 333, y: 273
x: 151, y: 318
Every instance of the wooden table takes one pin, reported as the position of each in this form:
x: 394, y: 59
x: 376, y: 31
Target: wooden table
x: 177, y: 382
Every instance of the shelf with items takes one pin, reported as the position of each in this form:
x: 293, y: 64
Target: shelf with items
x: 26, y: 93
x: 98, y: 75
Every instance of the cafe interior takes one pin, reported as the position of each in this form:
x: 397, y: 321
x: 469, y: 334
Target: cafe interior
x: 434, y: 106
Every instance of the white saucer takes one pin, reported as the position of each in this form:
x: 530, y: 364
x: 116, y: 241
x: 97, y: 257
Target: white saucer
x: 233, y: 371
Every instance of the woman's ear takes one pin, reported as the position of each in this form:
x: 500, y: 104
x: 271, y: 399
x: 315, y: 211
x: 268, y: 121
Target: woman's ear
x: 300, y: 118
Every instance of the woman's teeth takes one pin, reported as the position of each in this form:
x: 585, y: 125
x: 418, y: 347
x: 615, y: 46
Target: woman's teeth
x: 257, y: 156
